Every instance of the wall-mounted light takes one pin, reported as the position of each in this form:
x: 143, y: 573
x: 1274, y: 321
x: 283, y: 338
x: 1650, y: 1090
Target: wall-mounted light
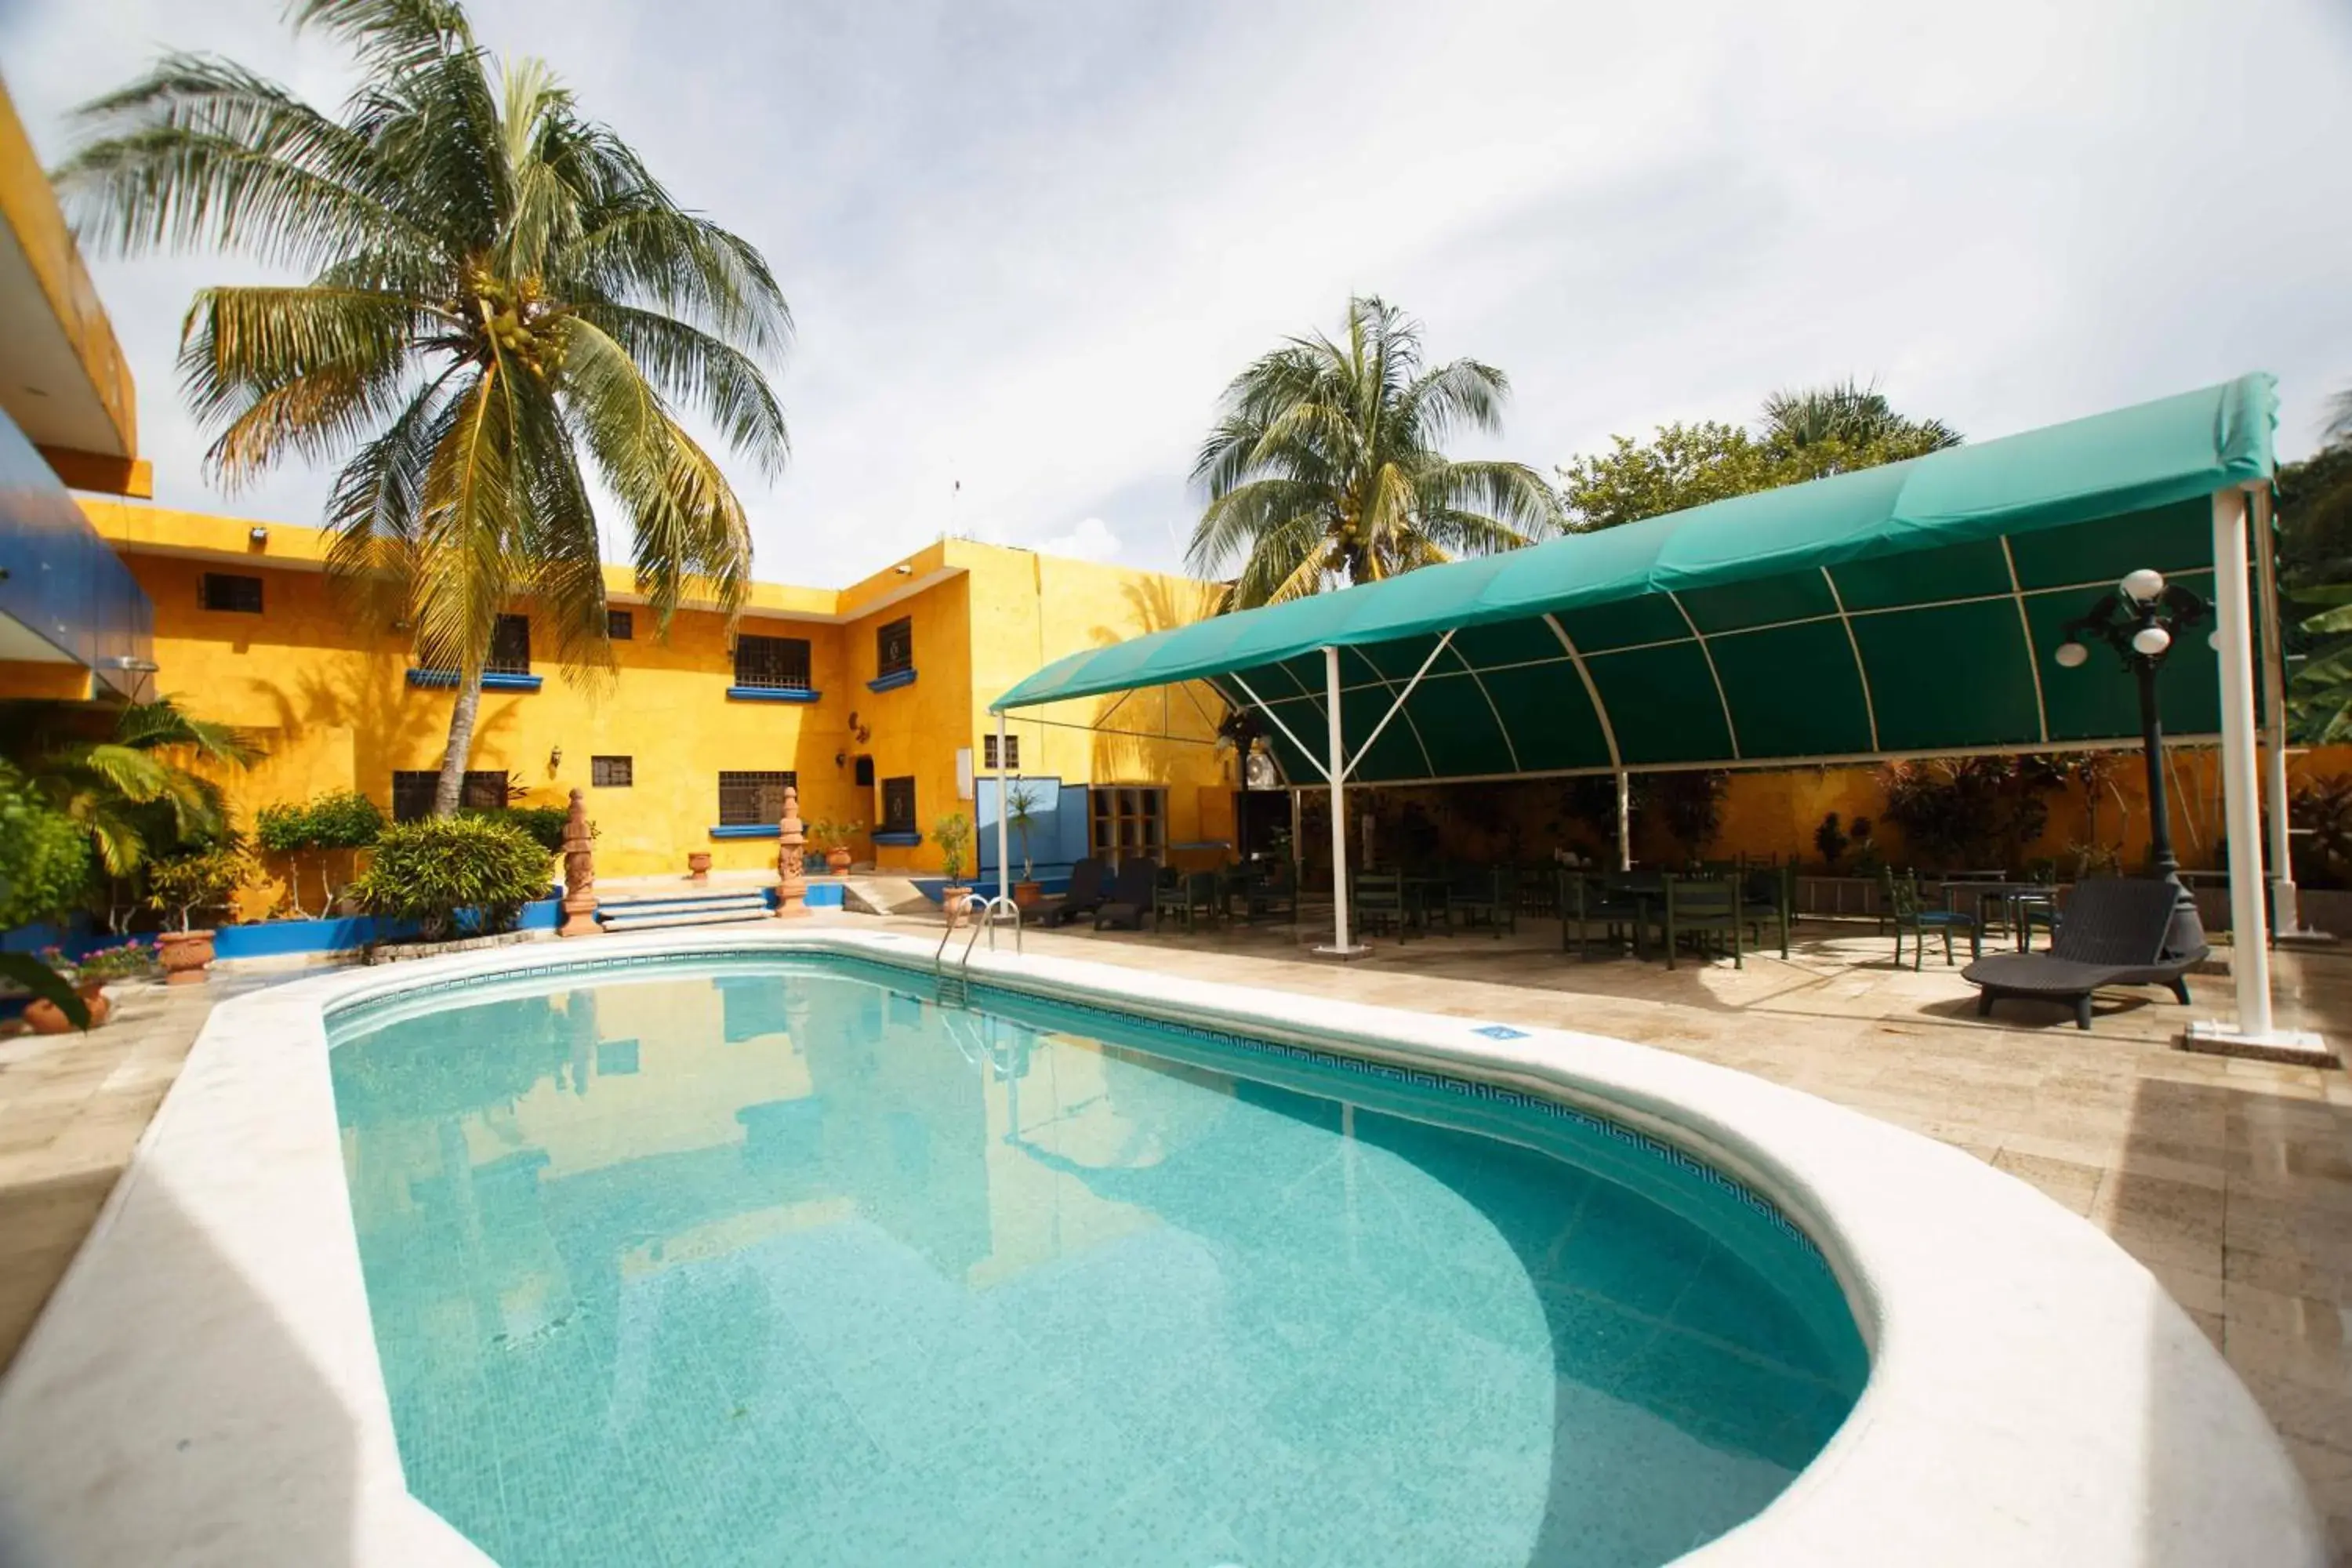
x: 840, y: 759
x: 555, y: 758
x: 133, y: 663
x: 258, y: 534
x: 904, y: 569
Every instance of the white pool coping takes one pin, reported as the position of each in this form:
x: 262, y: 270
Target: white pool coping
x: 202, y: 1388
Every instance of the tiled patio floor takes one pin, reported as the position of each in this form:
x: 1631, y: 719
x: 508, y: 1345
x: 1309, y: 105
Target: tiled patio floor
x: 2231, y: 1180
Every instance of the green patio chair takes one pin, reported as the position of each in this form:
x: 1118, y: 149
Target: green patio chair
x: 1586, y: 903
x: 1704, y: 907
x: 1486, y: 896
x: 1766, y: 896
x: 1195, y: 896
x: 1910, y: 913
x: 1377, y: 900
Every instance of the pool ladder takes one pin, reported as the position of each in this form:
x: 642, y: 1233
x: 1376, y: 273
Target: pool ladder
x: 955, y: 989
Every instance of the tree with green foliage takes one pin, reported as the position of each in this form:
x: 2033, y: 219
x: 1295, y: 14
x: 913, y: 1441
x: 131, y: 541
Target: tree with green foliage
x: 44, y: 856
x: 2314, y: 511
x: 132, y: 786
x: 1807, y: 433
x: 503, y: 306
x: 1327, y: 466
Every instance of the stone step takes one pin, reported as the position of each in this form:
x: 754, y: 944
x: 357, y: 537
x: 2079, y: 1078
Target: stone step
x: 687, y: 918
x: 883, y: 895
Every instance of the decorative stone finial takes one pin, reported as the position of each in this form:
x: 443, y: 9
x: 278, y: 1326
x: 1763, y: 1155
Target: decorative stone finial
x: 579, y: 872
x: 792, y: 838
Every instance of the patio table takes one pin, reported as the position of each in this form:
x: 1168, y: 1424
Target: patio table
x: 2011, y: 896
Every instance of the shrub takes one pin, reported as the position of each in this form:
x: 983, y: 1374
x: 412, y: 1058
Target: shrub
x: 345, y: 819
x: 952, y: 834
x: 543, y: 822
x: 204, y: 880
x: 45, y: 857
x: 340, y: 819
x: 105, y: 964
x: 427, y: 872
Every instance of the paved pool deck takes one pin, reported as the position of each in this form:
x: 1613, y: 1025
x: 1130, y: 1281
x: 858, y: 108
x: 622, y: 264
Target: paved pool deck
x: 2231, y: 1180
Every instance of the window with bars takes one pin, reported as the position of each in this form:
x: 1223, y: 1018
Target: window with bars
x: 412, y: 792
x: 899, y: 806
x: 611, y: 773
x: 753, y: 799
x: 509, y: 646
x: 620, y: 626
x: 771, y: 664
x: 230, y: 591
x: 1129, y: 821
x: 894, y: 647
x: 1012, y: 752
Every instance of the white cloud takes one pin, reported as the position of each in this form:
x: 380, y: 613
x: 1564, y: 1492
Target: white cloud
x: 1091, y: 540
x: 1027, y: 245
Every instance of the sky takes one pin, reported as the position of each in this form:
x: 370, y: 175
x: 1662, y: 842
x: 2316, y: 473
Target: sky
x: 1026, y: 246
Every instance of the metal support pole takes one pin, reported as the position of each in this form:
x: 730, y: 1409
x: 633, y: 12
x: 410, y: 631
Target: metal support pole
x: 2250, y: 957
x: 1004, y: 819
x: 1338, y: 770
x: 2286, y: 911
x: 1624, y: 820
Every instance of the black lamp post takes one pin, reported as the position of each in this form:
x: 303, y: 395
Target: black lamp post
x: 2142, y: 620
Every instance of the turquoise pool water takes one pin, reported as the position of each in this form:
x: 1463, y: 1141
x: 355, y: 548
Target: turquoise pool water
x: 774, y: 1263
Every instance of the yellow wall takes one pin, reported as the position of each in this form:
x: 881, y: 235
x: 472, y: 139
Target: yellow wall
x: 330, y: 700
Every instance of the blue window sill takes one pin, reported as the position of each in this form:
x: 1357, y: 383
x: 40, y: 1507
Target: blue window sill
x: 770, y: 694
x: 746, y: 830
x: 899, y: 840
x: 892, y: 681
x: 492, y: 680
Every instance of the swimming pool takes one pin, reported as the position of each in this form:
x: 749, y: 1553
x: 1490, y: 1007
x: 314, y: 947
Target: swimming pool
x: 773, y: 1259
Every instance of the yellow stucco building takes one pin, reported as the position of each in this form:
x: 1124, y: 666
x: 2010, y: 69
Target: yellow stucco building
x: 871, y: 700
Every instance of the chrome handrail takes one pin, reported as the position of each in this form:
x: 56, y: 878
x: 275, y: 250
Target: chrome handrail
x: 983, y: 913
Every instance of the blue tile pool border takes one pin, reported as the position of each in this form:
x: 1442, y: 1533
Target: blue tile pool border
x: 920, y: 983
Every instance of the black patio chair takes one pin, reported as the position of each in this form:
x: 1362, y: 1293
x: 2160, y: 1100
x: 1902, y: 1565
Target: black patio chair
x: 1134, y: 893
x: 2111, y: 933
x: 1197, y: 896
x: 1766, y: 897
x: 1703, y: 907
x: 1587, y: 902
x: 1273, y: 894
x: 1487, y: 897
x: 1084, y: 896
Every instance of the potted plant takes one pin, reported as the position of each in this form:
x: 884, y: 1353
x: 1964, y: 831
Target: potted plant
x: 698, y: 865
x: 88, y: 975
x: 183, y: 884
x: 834, y: 837
x: 1020, y: 803
x: 952, y: 834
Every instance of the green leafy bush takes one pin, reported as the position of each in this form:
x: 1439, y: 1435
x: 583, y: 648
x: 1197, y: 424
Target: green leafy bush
x: 543, y: 822
x: 429, y: 871
x: 340, y: 819
x: 44, y: 856
x: 345, y: 819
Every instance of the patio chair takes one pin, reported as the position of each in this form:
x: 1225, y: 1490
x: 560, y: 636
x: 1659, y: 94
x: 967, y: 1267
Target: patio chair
x: 1197, y: 896
x: 1486, y: 896
x: 1703, y: 907
x: 1586, y: 901
x: 1272, y: 895
x: 1910, y: 913
x: 1377, y: 902
x: 1134, y: 893
x: 1084, y: 896
x: 1766, y: 897
x: 2112, y: 932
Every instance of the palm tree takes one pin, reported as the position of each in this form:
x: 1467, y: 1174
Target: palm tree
x: 1852, y: 415
x: 1326, y: 465
x: 502, y: 302
x: 132, y: 787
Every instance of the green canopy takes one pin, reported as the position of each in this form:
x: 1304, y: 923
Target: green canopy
x: 1909, y: 608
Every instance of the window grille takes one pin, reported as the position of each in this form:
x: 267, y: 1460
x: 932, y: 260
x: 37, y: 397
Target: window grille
x: 412, y: 792
x: 229, y: 591
x: 771, y: 664
x: 753, y: 799
x: 620, y: 626
x: 1012, y: 752
x: 894, y: 647
x: 611, y: 773
x: 510, y: 649
x: 899, y: 806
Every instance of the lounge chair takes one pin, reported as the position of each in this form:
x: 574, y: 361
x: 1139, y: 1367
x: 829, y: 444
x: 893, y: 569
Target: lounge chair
x: 2112, y: 933
x: 1084, y: 896
x: 1134, y: 893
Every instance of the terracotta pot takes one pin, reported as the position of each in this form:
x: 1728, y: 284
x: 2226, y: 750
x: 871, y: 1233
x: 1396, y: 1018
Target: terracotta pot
x: 1026, y: 894
x: 43, y: 1018
x: 185, y: 956
x: 955, y: 900
x: 836, y: 860
x: 697, y: 864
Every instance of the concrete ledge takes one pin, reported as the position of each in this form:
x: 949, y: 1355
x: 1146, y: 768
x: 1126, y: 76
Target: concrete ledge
x: 205, y: 1386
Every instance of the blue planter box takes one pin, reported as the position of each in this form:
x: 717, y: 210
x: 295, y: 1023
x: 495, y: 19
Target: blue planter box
x: 491, y: 680
x: 892, y: 681
x: 899, y: 840
x: 281, y: 939
x: 746, y: 830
